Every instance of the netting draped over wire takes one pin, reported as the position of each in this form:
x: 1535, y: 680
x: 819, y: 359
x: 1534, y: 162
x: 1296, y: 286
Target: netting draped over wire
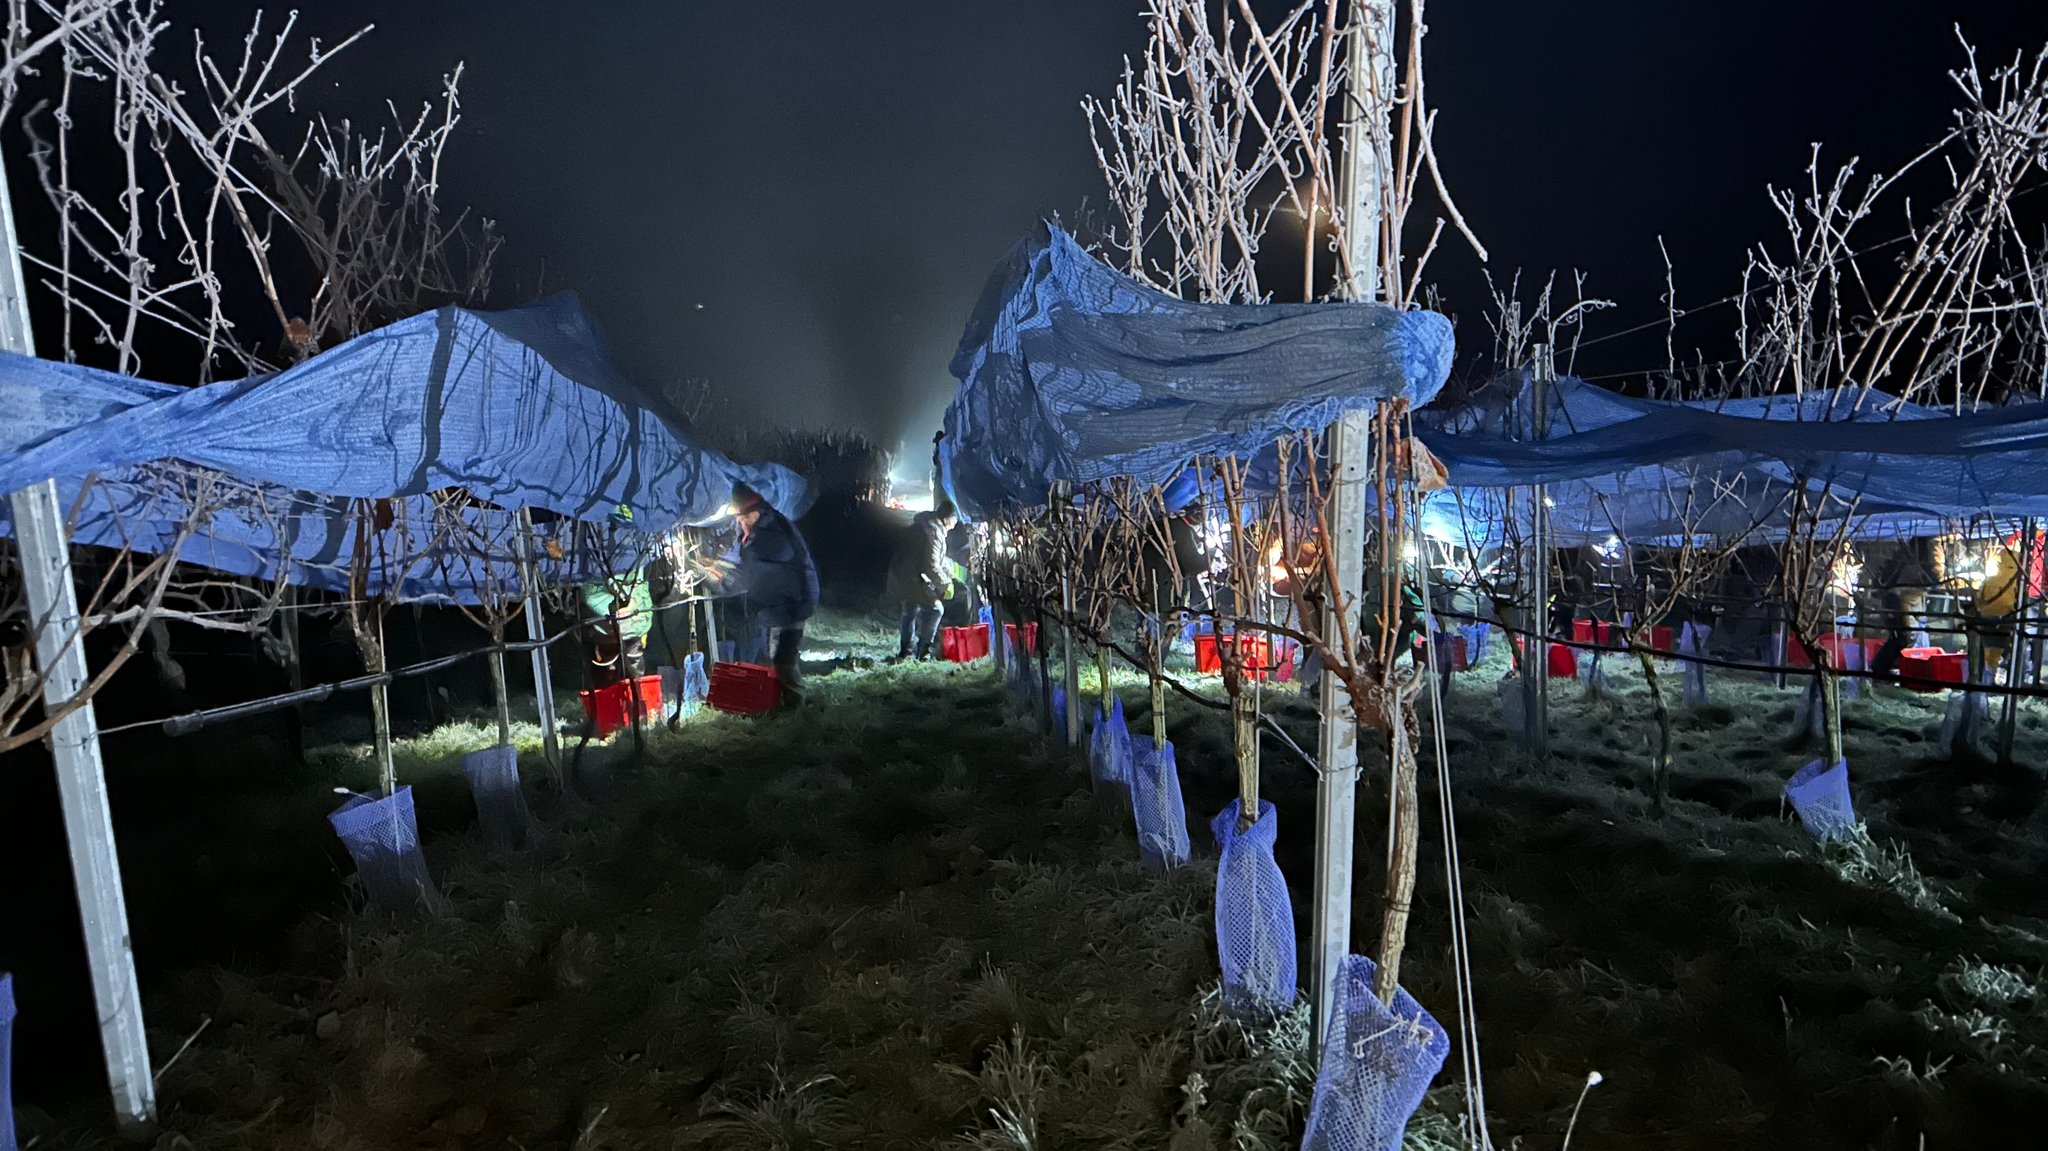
x: 518, y: 408
x: 1072, y: 372
x: 1623, y: 466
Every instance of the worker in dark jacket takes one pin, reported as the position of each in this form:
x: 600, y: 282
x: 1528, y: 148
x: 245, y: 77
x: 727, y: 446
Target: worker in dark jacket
x: 780, y: 582
x: 920, y: 580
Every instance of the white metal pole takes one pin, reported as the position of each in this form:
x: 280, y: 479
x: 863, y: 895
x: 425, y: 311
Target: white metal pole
x: 75, y: 742
x: 1538, y: 713
x: 1070, y: 640
x: 1369, y: 87
x: 710, y: 634
x: 537, y: 630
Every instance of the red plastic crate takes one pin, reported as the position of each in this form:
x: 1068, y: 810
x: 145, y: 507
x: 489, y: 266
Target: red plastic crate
x: 1259, y: 661
x: 1455, y: 654
x: 963, y: 644
x: 1932, y: 669
x: 743, y: 689
x: 1583, y: 631
x: 1024, y: 640
x: 609, y: 709
x: 1564, y: 663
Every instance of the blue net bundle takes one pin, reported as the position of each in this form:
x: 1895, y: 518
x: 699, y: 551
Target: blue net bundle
x: 1513, y: 692
x: 1377, y: 1063
x: 383, y: 837
x: 1692, y: 640
x: 1254, y: 919
x: 686, y: 686
x: 1059, y: 712
x: 6, y: 1062
x: 1819, y: 792
x: 1109, y: 746
x: 1476, y: 637
x: 1156, y: 806
x: 500, y: 801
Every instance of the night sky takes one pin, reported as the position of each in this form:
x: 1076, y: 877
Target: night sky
x: 800, y: 200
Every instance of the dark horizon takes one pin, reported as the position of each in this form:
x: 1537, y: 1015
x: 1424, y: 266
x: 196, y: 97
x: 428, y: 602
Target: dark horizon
x: 801, y: 203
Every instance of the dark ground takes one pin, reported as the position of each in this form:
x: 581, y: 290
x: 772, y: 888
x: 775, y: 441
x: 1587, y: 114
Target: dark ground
x: 897, y: 919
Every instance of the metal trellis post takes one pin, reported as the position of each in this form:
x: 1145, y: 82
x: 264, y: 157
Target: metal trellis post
x: 75, y: 743
x: 1337, y: 737
x: 1543, y: 377
x: 537, y: 631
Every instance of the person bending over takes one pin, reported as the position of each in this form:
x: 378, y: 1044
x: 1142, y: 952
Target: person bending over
x: 780, y: 582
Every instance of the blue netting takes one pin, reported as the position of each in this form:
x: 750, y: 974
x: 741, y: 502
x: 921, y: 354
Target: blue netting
x: 500, y: 801
x: 686, y: 686
x: 1072, y: 371
x: 1377, y: 1064
x: 1692, y: 640
x: 1621, y: 466
x: 1963, y: 719
x: 1476, y: 636
x: 1109, y: 747
x: 521, y: 407
x: 6, y: 1062
x: 1820, y: 794
x: 383, y: 837
x: 1513, y: 692
x: 1156, y: 805
x: 1254, y: 920
x: 1059, y: 712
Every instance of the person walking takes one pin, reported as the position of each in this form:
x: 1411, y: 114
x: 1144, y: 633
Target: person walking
x: 780, y: 582
x: 920, y: 581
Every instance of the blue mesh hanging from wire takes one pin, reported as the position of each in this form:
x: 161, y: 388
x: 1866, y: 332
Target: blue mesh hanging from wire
x: 6, y: 1062
x: 1156, y: 806
x: 1254, y: 920
x: 383, y: 837
x: 500, y: 801
x: 1059, y: 712
x: 1377, y: 1064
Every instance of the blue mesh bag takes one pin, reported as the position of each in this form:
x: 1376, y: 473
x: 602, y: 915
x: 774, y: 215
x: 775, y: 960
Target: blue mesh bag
x: 6, y: 1062
x: 1476, y: 635
x: 1059, y: 712
x: 1109, y: 746
x: 1820, y: 794
x: 1692, y: 640
x: 1156, y: 806
x: 500, y: 801
x: 1513, y: 693
x: 686, y: 686
x: 383, y: 837
x: 728, y: 651
x: 1254, y: 920
x: 1377, y: 1064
